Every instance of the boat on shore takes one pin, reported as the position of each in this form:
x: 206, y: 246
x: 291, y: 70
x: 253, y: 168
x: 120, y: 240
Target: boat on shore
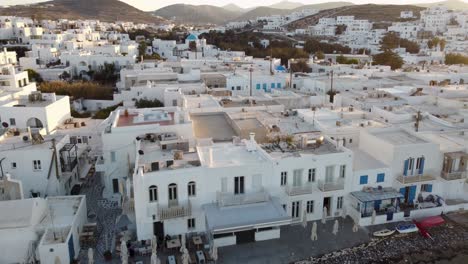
x: 406, y: 228
x: 384, y: 233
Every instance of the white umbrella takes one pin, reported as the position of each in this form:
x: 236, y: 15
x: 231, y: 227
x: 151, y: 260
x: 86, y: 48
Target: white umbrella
x: 214, y: 253
x: 185, y: 256
x: 335, y: 227
x: 155, y: 259
x: 57, y: 260
x: 90, y: 256
x: 154, y: 245
x: 313, y: 235
x: 374, y: 213
x: 304, y: 219
x: 324, y: 215
x: 355, y: 227
x: 182, y: 243
x: 124, y: 252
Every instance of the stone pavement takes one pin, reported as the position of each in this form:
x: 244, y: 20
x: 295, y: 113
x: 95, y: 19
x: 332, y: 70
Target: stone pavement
x: 295, y: 244
x: 104, y: 213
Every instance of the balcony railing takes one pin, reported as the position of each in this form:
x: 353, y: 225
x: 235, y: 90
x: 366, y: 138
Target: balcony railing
x: 230, y: 199
x: 331, y: 186
x: 415, y: 178
x: 298, y: 190
x: 454, y: 175
x: 174, y: 210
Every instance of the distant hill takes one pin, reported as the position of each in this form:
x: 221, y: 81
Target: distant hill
x: 104, y: 10
x: 323, y: 6
x: 450, y: 4
x: 262, y: 11
x: 202, y: 14
x: 286, y: 5
x: 233, y: 8
x: 372, y: 12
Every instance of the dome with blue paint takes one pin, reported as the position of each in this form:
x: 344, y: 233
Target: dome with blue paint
x: 280, y: 68
x: 192, y: 37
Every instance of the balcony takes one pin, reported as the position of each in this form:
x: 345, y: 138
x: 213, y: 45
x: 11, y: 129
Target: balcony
x: 298, y: 190
x: 454, y: 175
x: 230, y: 199
x: 174, y: 209
x: 331, y: 186
x: 415, y: 178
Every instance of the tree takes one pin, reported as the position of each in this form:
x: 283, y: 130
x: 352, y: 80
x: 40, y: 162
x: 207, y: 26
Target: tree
x: 453, y: 58
x: 442, y: 44
x: 340, y: 29
x: 34, y: 76
x: 388, y: 58
x: 142, y: 49
x: 300, y: 66
x: 106, y: 75
x: 320, y: 55
x: 192, y: 46
x: 392, y: 41
x: 146, y: 103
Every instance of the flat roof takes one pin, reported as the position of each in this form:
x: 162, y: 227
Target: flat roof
x: 17, y: 213
x: 212, y: 125
x: 244, y: 217
x: 399, y: 137
x: 160, y: 117
x: 364, y: 161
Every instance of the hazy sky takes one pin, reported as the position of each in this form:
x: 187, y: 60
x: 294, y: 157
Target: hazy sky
x: 155, y: 4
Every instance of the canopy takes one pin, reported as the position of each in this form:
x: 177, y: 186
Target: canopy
x: 376, y: 195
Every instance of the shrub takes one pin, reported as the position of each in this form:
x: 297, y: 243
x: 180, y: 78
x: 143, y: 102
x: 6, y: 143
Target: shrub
x: 78, y: 89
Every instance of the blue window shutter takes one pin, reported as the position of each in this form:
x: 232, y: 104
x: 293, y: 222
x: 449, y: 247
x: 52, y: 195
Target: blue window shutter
x: 421, y: 166
x: 428, y: 187
x: 405, y: 169
x: 272, y: 85
x: 412, y: 194
x: 258, y: 86
x: 363, y: 179
x: 403, y: 191
x: 381, y: 177
x: 278, y: 85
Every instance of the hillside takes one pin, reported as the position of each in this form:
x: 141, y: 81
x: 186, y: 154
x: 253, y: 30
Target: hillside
x: 375, y: 13
x: 202, y: 14
x: 233, y: 8
x: 262, y: 11
x: 323, y: 6
x: 450, y: 4
x: 286, y: 5
x: 104, y: 10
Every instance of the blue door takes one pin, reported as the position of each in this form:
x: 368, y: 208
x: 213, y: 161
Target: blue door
x: 377, y: 205
x: 71, y: 249
x: 412, y: 194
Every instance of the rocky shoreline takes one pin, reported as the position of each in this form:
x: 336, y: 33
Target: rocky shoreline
x: 449, y: 245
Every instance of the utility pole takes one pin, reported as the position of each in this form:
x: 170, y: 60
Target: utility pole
x: 251, y: 70
x: 418, y: 118
x: 1, y: 166
x: 290, y: 73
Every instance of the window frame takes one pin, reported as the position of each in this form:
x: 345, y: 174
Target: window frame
x: 191, y: 189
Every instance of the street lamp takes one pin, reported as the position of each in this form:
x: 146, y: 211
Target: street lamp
x: 1, y: 166
x: 251, y: 70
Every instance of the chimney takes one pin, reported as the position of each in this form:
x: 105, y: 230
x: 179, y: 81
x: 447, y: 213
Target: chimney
x: 210, y: 153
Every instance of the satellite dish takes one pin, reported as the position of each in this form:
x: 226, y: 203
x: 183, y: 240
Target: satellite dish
x: 25, y: 138
x: 5, y: 124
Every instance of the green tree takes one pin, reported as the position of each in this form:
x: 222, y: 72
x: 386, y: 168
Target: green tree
x: 142, y: 49
x: 34, y: 76
x: 192, y: 46
x: 392, y: 41
x: 388, y: 58
x: 146, y: 103
x: 107, y: 74
x: 320, y: 55
x: 300, y: 66
x: 442, y: 44
x: 340, y: 29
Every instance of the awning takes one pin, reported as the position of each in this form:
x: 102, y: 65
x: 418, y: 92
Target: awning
x: 376, y: 195
x: 245, y: 217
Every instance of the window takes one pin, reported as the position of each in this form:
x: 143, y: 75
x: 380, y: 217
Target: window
x: 238, y: 88
x: 297, y: 177
x: 172, y: 190
x: 339, y: 203
x: 264, y: 86
x: 191, y: 188
x: 278, y: 85
x: 272, y: 85
x: 426, y: 187
x: 12, y: 122
x: 191, y: 223
x: 342, y: 171
x: 115, y: 185
x: 239, y: 185
x: 13, y: 165
x: 112, y: 153
x: 37, y: 165
x: 363, y: 179
x: 311, y: 177
x: 350, y: 140
x: 258, y: 86
x: 153, y: 193
x: 329, y: 173
x: 310, y: 207
x: 381, y: 177
x: 284, y: 178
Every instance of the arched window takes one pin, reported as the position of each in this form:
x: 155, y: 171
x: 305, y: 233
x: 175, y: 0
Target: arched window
x: 172, y: 188
x: 153, y: 193
x: 191, y: 189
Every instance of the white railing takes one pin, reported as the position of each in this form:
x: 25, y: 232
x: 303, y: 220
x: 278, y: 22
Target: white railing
x: 415, y: 178
x: 454, y: 175
x: 298, y: 190
x: 175, y: 210
x: 331, y: 186
x: 230, y: 199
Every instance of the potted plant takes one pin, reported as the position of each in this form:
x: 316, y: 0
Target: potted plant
x: 107, y: 255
